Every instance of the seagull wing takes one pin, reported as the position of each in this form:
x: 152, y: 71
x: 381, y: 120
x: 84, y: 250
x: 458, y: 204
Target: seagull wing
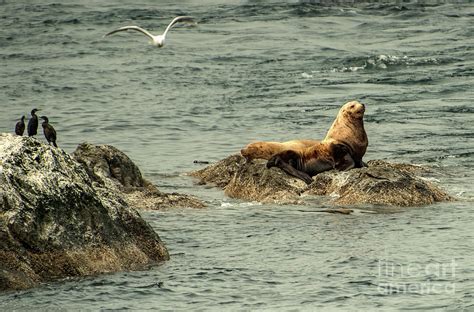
x: 124, y: 28
x: 178, y: 19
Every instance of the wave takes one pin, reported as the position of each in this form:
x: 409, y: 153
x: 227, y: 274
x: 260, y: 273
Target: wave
x: 385, y: 62
x: 225, y: 204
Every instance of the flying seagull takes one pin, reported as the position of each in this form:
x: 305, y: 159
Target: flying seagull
x: 159, y: 40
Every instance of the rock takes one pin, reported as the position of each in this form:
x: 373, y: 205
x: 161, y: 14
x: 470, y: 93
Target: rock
x: 109, y: 167
x: 381, y: 183
x: 255, y: 182
x: 152, y: 199
x: 221, y: 172
x: 55, y: 222
x: 251, y: 181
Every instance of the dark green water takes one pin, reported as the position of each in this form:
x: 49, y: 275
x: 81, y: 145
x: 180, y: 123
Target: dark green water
x: 259, y: 70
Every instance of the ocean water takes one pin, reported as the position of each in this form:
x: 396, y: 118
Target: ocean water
x: 259, y: 70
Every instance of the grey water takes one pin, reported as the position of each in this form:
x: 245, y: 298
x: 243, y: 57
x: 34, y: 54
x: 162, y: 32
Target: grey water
x: 259, y: 70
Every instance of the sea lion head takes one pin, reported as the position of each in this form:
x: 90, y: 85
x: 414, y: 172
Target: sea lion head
x: 255, y: 150
x: 352, y: 110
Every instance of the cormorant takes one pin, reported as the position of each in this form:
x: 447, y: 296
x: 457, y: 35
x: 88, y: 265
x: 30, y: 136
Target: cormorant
x: 20, y: 126
x: 48, y: 130
x: 33, y: 123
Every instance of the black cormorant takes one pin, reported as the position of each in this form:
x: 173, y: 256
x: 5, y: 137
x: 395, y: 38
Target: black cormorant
x: 48, y: 130
x: 20, y: 126
x: 33, y: 123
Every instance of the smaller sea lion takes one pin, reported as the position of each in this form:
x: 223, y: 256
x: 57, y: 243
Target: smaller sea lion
x: 20, y: 126
x: 265, y: 150
x: 48, y: 130
x: 310, y: 161
x: 33, y: 123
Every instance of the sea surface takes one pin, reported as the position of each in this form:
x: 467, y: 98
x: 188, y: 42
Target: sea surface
x: 259, y: 70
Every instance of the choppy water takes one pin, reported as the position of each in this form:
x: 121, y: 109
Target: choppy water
x: 259, y: 70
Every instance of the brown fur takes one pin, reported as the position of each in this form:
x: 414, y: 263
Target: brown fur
x: 348, y: 129
x: 329, y: 152
x: 265, y: 150
x: 312, y: 160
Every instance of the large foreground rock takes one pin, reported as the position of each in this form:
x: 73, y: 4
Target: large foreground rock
x: 109, y: 167
x: 381, y: 183
x: 55, y: 221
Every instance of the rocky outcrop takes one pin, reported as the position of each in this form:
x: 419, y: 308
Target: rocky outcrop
x: 55, y: 221
x: 109, y: 167
x: 381, y: 183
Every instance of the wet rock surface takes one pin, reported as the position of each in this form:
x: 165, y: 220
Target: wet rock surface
x: 55, y: 221
x: 381, y: 183
x: 109, y: 167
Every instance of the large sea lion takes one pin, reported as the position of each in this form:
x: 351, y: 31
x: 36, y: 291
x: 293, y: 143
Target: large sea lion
x: 265, y: 150
x: 343, y: 147
x: 348, y: 129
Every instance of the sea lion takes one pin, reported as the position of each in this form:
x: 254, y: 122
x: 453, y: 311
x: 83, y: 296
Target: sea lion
x: 265, y: 150
x: 343, y: 147
x: 304, y: 164
x: 348, y: 129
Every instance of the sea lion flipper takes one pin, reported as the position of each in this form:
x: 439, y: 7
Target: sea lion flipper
x: 287, y: 156
x: 276, y: 161
x: 273, y: 162
x: 359, y: 163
